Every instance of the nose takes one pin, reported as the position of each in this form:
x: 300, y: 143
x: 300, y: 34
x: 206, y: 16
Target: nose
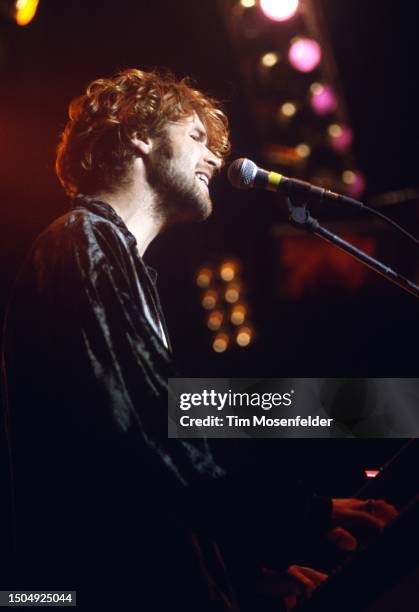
x: 212, y: 160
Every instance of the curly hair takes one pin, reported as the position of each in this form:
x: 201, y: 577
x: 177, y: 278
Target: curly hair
x: 95, y: 149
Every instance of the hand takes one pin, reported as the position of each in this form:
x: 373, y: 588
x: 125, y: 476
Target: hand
x: 372, y: 513
x: 302, y: 582
x: 342, y: 539
x: 292, y: 586
x: 375, y: 513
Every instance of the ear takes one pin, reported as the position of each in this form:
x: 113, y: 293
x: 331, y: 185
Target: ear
x: 142, y: 145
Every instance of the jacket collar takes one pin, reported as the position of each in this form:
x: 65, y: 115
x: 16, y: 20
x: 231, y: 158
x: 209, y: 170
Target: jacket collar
x: 106, y: 211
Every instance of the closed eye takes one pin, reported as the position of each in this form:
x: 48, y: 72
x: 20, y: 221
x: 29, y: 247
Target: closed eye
x: 199, y: 136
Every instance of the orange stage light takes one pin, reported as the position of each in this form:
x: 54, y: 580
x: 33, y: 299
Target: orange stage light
x: 25, y: 11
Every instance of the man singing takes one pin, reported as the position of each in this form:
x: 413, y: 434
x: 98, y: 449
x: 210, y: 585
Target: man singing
x: 104, y: 502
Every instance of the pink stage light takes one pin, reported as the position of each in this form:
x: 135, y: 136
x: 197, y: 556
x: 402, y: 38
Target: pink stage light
x: 305, y: 54
x: 357, y: 187
x: 323, y: 100
x: 279, y: 10
x: 342, y: 141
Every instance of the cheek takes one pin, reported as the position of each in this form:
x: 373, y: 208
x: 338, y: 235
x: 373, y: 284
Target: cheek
x: 188, y: 160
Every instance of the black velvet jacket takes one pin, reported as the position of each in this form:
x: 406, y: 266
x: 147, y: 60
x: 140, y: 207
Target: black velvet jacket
x: 100, y: 491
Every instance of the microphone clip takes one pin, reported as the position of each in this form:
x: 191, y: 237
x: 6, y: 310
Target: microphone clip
x: 300, y: 216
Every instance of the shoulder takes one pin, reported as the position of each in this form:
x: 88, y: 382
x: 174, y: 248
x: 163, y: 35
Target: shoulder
x: 84, y: 233
x: 83, y: 244
x: 80, y: 224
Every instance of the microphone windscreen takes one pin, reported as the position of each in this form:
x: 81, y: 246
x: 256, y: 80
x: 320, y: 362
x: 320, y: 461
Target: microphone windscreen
x: 241, y: 173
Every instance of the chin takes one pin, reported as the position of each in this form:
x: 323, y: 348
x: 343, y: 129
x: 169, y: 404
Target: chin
x: 187, y: 204
x: 195, y: 209
x: 206, y: 210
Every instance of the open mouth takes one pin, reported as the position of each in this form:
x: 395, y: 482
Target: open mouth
x: 203, y: 178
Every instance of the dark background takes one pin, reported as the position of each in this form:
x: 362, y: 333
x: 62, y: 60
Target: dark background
x: 331, y: 332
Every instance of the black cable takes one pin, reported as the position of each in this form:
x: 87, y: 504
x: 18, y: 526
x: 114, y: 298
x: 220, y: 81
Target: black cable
x: 393, y: 223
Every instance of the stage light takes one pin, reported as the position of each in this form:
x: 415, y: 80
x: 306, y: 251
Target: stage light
x: 303, y: 150
x: 355, y: 182
x: 244, y: 336
x: 269, y: 59
x: 304, y: 54
x: 238, y: 314
x: 220, y: 343
x: 341, y: 137
x: 232, y: 293
x: 348, y: 177
x: 215, y: 320
x: 316, y: 88
x: 25, y: 11
x: 323, y: 99
x: 209, y: 299
x: 279, y: 10
x: 204, y: 278
x: 372, y: 473
x: 288, y: 109
x: 248, y: 3
x: 334, y: 130
x: 228, y: 271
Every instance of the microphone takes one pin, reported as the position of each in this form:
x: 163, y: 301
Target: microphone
x: 245, y: 174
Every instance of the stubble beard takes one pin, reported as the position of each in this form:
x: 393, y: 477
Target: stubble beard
x: 180, y: 197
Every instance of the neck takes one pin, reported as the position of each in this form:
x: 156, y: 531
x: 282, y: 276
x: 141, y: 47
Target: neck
x: 138, y: 212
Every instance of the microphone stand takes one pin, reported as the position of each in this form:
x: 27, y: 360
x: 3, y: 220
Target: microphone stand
x: 300, y: 217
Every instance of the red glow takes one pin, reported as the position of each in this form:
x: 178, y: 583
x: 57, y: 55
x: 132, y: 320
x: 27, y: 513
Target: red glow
x: 310, y: 267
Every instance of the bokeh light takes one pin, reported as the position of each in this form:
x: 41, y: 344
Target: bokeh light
x: 341, y: 137
x: 269, y: 59
x: 232, y: 293
x: 323, y: 99
x: 355, y: 182
x: 288, y: 109
x: 303, y: 150
x: 244, y: 336
x: 304, y: 54
x: 248, y: 3
x: 215, y: 320
x: 220, y: 342
x: 228, y: 270
x: 334, y: 130
x: 348, y: 177
x: 209, y: 299
x: 279, y: 10
x: 25, y: 11
x: 238, y: 314
x: 204, y: 277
